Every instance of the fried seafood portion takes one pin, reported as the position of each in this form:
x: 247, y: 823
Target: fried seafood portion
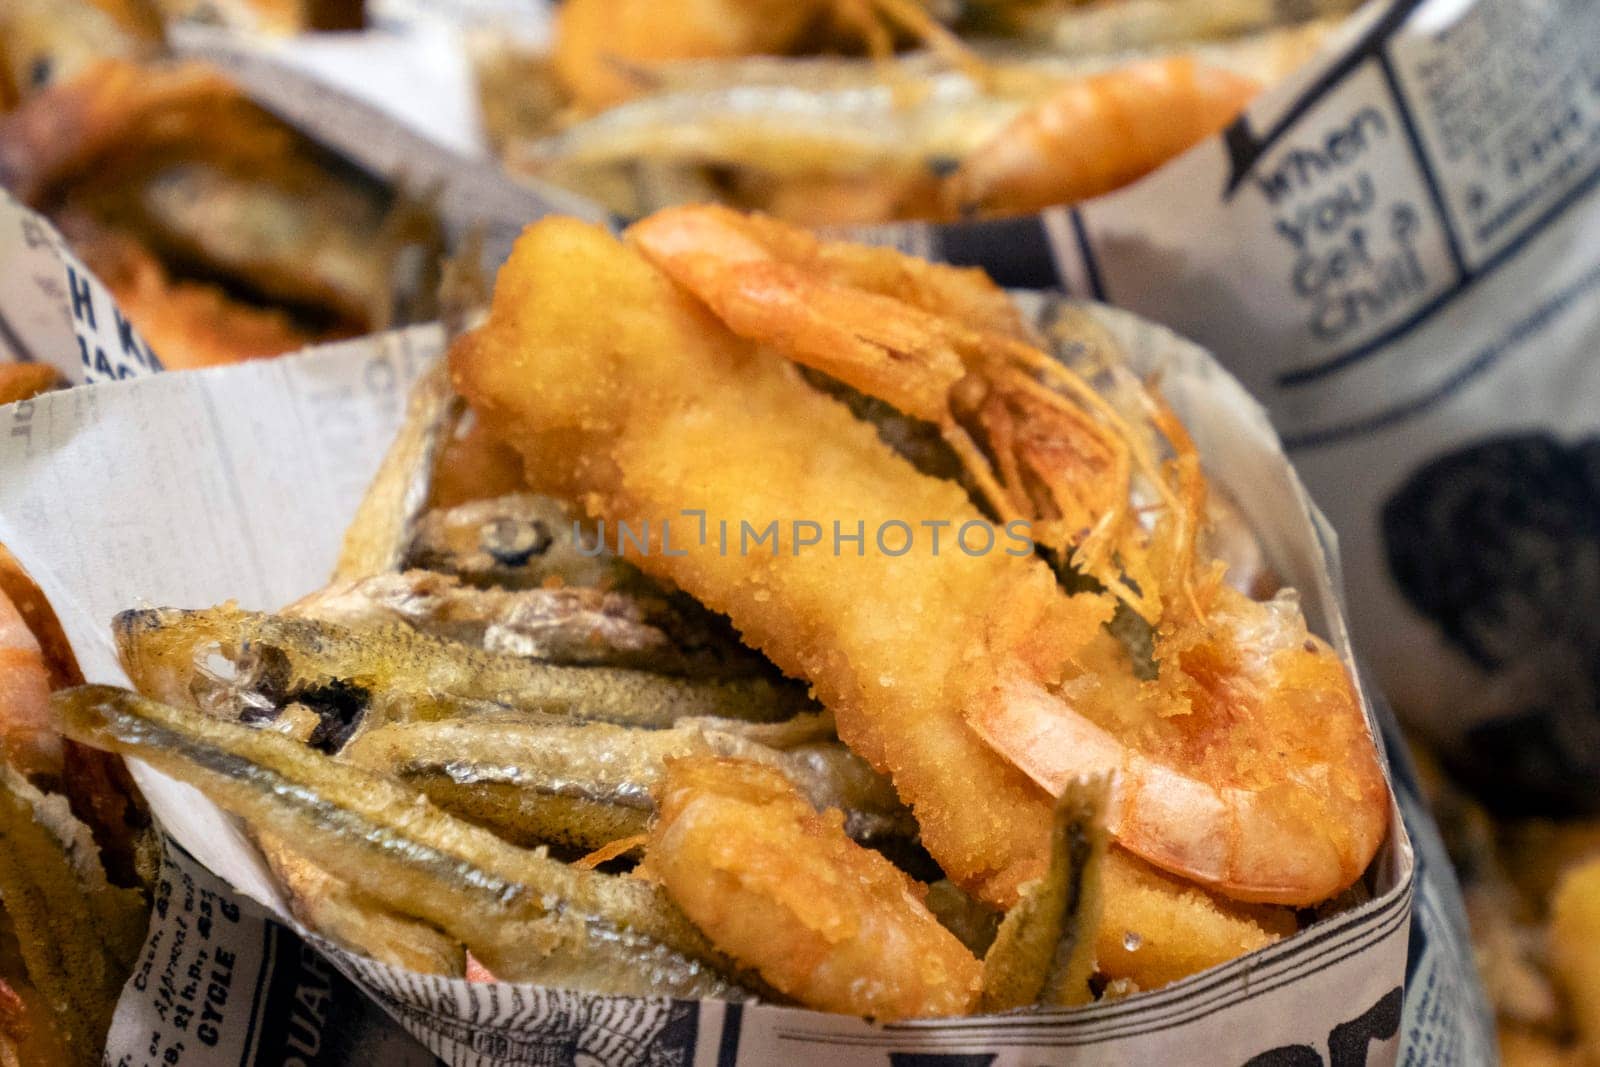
x: 783, y: 890
x: 649, y: 394
x: 27, y: 735
x: 805, y: 111
x: 1098, y: 133
x: 358, y: 677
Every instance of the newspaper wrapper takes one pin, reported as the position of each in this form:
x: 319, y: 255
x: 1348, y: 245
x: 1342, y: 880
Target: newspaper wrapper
x: 1395, y: 249
x: 236, y: 483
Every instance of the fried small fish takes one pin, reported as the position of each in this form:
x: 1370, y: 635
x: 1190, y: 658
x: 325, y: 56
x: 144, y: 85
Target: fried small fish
x: 576, y: 626
x: 363, y: 676
x: 583, y: 786
x: 526, y: 916
x: 1044, y: 951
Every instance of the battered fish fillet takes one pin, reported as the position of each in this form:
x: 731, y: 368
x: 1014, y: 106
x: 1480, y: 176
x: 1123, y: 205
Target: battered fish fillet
x: 781, y: 888
x: 623, y: 395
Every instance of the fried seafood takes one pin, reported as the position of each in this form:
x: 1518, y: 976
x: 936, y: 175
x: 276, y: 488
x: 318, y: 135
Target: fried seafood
x: 859, y: 148
x: 583, y: 786
x: 357, y: 677
x: 1099, y: 133
x: 1044, y: 951
x: 480, y: 695
x: 756, y: 442
x: 526, y: 916
x: 988, y: 125
x: 578, y: 625
x: 998, y: 650
x: 97, y: 785
x: 226, y: 233
x: 47, y: 41
x: 784, y: 890
x: 360, y: 923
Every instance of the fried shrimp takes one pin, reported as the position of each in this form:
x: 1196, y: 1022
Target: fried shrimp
x: 1218, y: 775
x: 781, y: 888
x: 1098, y: 133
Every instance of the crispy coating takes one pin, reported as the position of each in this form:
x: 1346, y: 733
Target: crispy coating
x: 1158, y: 929
x: 638, y: 411
x: 782, y: 889
x: 1217, y: 776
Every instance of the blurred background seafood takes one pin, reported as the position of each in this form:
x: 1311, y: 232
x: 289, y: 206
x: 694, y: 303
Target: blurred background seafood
x: 1532, y: 890
x: 222, y: 233
x: 838, y: 113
